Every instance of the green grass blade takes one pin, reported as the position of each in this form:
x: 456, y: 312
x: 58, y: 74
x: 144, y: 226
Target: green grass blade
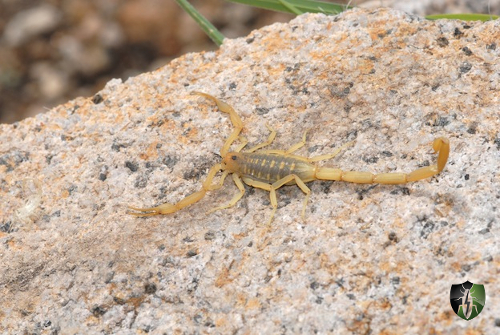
x: 296, y: 6
x: 207, y: 27
x: 464, y: 17
x: 291, y: 7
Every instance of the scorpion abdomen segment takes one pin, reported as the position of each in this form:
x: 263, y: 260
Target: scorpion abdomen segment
x: 270, y: 168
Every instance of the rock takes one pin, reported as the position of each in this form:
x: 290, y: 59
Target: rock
x: 367, y: 258
x: 51, y: 81
x: 31, y: 22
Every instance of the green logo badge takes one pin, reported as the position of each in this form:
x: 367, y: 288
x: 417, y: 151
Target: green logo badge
x: 467, y: 299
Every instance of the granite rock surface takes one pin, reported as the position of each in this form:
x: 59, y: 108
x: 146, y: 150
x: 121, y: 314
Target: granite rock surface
x: 365, y: 259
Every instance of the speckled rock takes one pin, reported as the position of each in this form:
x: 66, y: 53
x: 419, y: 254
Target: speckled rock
x: 366, y: 258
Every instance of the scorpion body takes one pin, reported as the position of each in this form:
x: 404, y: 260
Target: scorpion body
x: 268, y: 167
x: 272, y: 169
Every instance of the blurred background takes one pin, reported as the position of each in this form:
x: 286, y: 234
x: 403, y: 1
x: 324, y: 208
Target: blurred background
x: 55, y: 50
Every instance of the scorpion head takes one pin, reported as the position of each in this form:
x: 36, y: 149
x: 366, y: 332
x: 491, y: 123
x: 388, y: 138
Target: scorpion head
x: 232, y: 162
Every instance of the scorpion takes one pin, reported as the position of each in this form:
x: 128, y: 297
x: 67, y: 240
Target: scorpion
x: 271, y: 169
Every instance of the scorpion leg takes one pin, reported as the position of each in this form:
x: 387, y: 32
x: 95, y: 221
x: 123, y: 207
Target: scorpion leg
x: 274, y: 186
x: 270, y: 140
x: 440, y: 145
x: 235, y: 119
x: 292, y: 149
x: 299, y: 183
x: 189, y: 200
x: 266, y: 187
x: 236, y: 198
x: 329, y: 156
x: 297, y: 145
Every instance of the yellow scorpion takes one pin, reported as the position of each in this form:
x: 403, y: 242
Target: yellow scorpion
x: 271, y: 169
